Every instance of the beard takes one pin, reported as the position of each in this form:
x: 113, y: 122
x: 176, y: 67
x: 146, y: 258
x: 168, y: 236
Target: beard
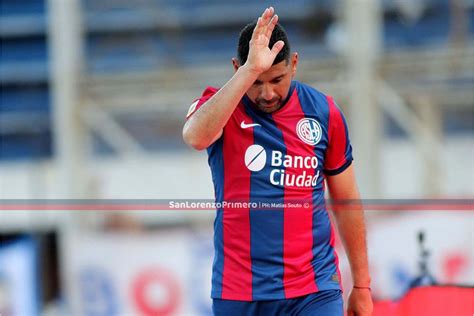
x: 268, y: 106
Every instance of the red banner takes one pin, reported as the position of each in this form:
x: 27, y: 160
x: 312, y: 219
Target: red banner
x: 430, y: 301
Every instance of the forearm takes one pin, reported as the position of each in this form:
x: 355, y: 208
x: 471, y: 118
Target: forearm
x: 207, y: 123
x: 351, y: 226
x: 349, y: 215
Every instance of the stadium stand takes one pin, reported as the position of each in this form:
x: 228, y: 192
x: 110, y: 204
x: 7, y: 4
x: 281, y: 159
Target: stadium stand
x: 152, y: 36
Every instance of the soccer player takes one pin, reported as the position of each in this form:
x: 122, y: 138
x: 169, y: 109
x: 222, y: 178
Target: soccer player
x: 271, y: 143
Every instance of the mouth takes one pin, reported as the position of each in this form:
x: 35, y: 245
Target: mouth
x: 268, y: 105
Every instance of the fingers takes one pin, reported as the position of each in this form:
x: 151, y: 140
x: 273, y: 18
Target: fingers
x: 260, y: 22
x: 267, y: 14
x: 271, y: 26
x: 277, y: 48
x: 265, y: 22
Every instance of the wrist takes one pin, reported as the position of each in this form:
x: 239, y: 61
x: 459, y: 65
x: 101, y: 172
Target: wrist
x: 251, y: 70
x: 362, y: 288
x: 361, y: 279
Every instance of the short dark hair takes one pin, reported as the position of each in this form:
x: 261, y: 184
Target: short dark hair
x: 278, y: 34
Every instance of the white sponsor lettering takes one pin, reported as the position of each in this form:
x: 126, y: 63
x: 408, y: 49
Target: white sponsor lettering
x: 255, y: 160
x: 279, y: 177
x: 307, y: 162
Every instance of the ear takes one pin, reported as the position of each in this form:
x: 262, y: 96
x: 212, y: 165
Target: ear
x: 235, y: 63
x: 294, y: 63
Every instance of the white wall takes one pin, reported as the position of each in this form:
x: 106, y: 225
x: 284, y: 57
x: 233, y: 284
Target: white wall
x: 186, y: 175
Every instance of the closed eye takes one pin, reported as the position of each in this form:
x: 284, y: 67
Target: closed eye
x: 273, y: 81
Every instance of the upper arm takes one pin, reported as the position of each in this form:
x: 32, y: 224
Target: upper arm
x: 343, y: 186
x: 197, y: 103
x: 193, y: 126
x: 189, y: 130
x: 339, y: 152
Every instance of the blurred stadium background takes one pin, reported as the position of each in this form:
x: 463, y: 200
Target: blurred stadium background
x: 93, y: 99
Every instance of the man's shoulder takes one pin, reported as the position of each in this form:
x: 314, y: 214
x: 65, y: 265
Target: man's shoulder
x: 209, y: 91
x: 304, y: 87
x: 310, y: 94
x: 199, y: 101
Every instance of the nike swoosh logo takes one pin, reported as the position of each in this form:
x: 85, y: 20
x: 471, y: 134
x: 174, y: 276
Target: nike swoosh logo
x: 243, y: 125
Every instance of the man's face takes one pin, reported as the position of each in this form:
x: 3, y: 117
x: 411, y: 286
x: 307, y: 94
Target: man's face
x: 272, y: 87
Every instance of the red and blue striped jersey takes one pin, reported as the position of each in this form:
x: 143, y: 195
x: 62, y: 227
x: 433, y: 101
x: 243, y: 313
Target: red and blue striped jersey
x: 277, y: 160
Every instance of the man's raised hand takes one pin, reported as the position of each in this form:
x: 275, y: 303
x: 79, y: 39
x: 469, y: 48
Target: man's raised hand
x: 261, y: 57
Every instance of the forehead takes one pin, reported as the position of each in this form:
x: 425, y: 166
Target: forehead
x: 275, y: 71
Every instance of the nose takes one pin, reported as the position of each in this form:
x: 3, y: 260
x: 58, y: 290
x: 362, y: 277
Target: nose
x: 267, y: 93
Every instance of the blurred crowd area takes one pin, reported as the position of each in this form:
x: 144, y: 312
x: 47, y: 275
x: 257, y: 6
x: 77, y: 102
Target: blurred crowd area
x: 93, y: 99
x: 128, y: 46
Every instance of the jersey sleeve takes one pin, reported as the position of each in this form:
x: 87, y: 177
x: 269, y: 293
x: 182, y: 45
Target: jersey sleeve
x: 197, y: 103
x: 339, y: 151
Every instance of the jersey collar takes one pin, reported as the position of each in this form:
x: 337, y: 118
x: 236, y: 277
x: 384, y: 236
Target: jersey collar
x: 249, y: 104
